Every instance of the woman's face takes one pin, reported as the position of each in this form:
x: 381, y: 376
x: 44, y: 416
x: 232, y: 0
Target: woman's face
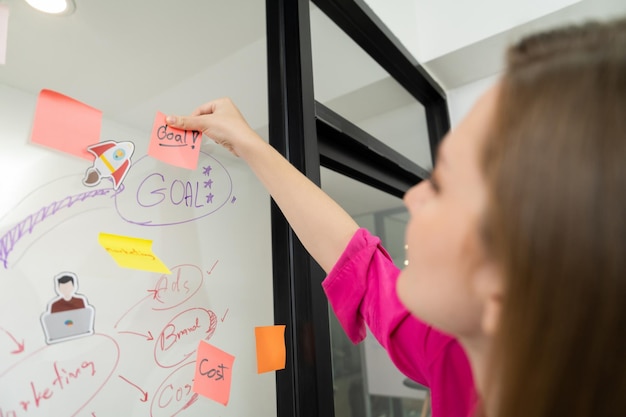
x: 442, y: 282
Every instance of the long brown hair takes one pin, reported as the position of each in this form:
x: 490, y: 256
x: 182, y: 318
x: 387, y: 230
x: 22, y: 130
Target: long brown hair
x: 555, y: 165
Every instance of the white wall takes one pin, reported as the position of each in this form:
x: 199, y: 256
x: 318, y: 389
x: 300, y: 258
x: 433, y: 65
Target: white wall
x: 459, y: 42
x: 461, y: 99
x: 445, y: 26
x: 430, y: 29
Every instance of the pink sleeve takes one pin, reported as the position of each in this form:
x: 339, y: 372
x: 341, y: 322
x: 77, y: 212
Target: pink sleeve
x: 361, y: 289
x: 362, y: 280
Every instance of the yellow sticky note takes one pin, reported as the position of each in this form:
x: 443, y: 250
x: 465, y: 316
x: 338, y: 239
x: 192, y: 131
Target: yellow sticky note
x: 270, y: 348
x: 132, y: 252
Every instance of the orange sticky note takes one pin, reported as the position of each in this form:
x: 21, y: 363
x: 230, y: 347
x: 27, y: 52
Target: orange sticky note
x: 65, y: 124
x: 213, y: 373
x: 270, y: 348
x: 176, y: 147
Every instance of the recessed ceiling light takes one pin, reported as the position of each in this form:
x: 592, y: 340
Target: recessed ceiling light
x: 57, y: 7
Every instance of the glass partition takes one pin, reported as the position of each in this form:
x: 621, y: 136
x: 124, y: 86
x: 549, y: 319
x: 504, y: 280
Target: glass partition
x: 132, y: 277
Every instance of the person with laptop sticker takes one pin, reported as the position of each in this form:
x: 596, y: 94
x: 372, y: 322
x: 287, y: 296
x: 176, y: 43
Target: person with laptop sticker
x: 69, y: 315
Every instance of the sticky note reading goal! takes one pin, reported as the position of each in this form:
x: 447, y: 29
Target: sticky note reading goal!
x: 176, y: 147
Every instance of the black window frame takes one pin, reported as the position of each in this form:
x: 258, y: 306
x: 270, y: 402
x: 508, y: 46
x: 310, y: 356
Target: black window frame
x: 310, y: 135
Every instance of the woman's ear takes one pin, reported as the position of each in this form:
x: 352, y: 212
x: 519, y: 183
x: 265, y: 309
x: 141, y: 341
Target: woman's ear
x: 490, y: 291
x: 491, y: 314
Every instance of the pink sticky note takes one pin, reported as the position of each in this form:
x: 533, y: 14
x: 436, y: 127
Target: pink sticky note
x: 174, y: 146
x: 213, y: 373
x: 270, y: 348
x: 4, y: 29
x: 65, y: 124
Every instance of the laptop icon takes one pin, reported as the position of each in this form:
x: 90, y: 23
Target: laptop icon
x: 69, y: 315
x: 68, y: 324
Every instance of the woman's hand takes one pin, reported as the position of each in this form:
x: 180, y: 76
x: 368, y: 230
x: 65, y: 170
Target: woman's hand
x: 221, y: 121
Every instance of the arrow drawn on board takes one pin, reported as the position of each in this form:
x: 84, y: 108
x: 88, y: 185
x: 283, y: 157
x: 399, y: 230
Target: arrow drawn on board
x: 20, y: 345
x: 144, y: 393
x: 185, y: 356
x: 128, y: 311
x: 209, y: 272
x: 148, y: 336
x: 193, y: 399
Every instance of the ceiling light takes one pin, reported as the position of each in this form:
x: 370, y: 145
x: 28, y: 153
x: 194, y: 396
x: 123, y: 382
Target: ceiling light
x: 58, y: 7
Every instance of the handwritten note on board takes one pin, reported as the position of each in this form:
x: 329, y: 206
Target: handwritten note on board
x: 4, y: 30
x: 65, y: 124
x: 213, y: 373
x: 132, y: 252
x: 270, y: 348
x: 176, y: 147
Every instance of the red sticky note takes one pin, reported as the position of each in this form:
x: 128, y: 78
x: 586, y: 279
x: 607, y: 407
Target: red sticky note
x: 270, y: 348
x: 213, y: 373
x: 65, y: 124
x: 176, y: 147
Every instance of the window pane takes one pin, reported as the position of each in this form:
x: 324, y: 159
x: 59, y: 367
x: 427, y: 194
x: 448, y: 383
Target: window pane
x: 348, y: 81
x: 365, y: 380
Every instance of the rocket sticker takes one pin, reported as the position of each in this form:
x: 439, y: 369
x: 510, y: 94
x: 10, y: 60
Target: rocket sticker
x: 112, y: 159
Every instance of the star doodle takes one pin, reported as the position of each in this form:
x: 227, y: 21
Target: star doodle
x: 207, y: 170
x: 209, y: 198
x: 208, y: 184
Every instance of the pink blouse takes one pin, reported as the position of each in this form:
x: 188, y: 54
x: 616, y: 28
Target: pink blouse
x: 361, y: 289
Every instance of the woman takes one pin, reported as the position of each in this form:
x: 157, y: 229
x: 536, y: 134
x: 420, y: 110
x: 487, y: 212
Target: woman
x: 555, y: 168
x: 515, y: 245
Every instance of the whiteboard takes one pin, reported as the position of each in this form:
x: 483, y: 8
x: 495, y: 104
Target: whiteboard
x: 139, y: 359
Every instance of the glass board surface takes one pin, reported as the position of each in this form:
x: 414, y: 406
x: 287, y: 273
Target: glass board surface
x: 115, y: 265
